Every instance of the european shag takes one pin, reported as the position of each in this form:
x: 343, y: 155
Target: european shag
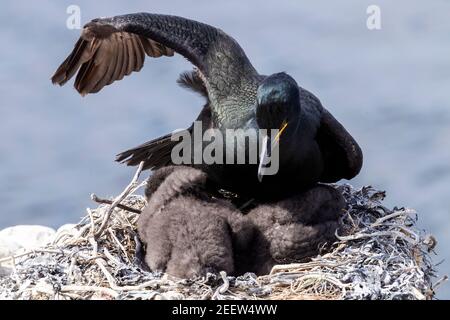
x: 313, y: 147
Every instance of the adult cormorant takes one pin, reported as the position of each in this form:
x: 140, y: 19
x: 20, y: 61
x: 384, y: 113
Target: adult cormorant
x: 313, y: 147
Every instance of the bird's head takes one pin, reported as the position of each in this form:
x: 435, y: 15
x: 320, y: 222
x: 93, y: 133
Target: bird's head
x: 278, y: 107
x: 278, y: 101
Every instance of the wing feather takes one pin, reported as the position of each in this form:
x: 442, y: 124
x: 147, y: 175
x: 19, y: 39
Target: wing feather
x: 107, y: 59
x: 119, y: 60
x: 130, y: 54
x: 104, y: 55
x: 125, y: 59
x: 138, y: 52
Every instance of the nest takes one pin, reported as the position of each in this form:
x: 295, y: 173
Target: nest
x: 379, y: 254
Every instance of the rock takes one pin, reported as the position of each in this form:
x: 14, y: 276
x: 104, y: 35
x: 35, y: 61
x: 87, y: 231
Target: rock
x: 8, y: 247
x: 16, y: 238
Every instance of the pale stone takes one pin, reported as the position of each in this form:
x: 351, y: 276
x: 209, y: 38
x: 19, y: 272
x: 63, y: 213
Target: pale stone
x: 8, y: 247
x: 24, y: 237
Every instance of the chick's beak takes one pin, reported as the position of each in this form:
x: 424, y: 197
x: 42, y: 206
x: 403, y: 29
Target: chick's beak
x: 268, y: 145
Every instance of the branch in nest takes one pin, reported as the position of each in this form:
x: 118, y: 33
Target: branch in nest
x: 110, y: 202
x: 125, y: 193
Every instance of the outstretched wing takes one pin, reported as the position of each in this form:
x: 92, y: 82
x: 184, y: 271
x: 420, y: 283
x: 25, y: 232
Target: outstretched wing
x: 103, y: 55
x: 157, y: 153
x: 342, y: 155
x: 112, y: 48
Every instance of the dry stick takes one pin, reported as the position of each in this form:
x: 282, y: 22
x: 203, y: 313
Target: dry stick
x: 111, y: 257
x: 94, y: 245
x: 304, y: 266
x: 91, y: 216
x: 30, y: 252
x: 96, y: 199
x: 113, y: 236
x: 226, y: 284
x: 320, y: 277
x: 379, y: 221
x: 82, y: 230
x: 107, y: 291
x: 393, y: 234
x: 119, y: 199
x: 223, y: 288
x: 112, y: 282
x: 73, y: 262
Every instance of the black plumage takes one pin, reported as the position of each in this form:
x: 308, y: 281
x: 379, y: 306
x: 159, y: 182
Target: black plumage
x: 315, y: 147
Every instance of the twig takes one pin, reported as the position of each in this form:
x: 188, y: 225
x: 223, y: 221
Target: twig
x: 391, y: 216
x: 73, y: 261
x: 119, y: 199
x: 94, y: 245
x: 110, y: 202
x: 113, y: 236
x: 393, y: 234
x: 319, y: 277
x: 103, y: 290
x: 111, y: 257
x: 30, y: 252
x: 91, y: 217
x: 304, y: 266
x: 112, y: 283
x: 223, y: 288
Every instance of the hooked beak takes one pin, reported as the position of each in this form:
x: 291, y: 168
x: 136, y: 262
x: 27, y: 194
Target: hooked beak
x: 267, y: 146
